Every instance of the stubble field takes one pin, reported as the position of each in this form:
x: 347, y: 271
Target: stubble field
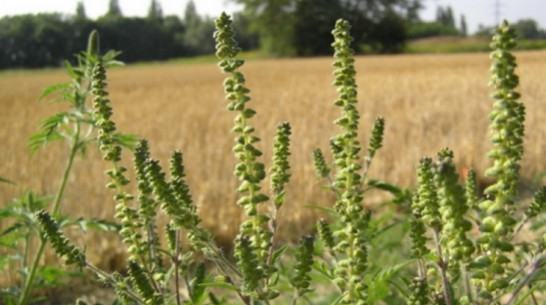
x: 428, y: 101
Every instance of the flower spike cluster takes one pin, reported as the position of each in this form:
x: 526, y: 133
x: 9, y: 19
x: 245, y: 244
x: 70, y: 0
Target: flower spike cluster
x: 304, y: 263
x: 254, y: 244
x: 59, y: 242
x: 279, y: 172
x: 453, y: 208
x: 507, y: 126
x: 348, y: 181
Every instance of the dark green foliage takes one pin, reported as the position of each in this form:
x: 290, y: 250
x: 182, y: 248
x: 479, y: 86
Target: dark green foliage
x: 429, y: 29
x: 301, y: 27
x: 529, y: 29
x: 313, y: 26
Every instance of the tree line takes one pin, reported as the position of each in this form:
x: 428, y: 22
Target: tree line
x: 277, y: 27
x: 42, y: 40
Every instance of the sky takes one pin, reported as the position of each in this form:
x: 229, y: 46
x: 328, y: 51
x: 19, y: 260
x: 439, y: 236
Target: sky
x: 476, y: 11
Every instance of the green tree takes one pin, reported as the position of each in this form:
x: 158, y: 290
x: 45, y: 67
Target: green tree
x: 412, y: 7
x: 449, y: 19
x: 155, y: 12
x: 80, y: 11
x: 114, y: 10
x: 313, y: 26
x: 273, y: 21
x: 445, y: 16
x: 390, y: 33
x: 198, y: 31
x: 246, y: 39
x: 283, y: 24
x: 529, y: 29
x: 463, y: 28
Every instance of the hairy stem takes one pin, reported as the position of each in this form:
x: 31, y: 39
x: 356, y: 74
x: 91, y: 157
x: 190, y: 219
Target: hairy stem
x: 443, y: 269
x: 534, y: 268
x: 55, y: 211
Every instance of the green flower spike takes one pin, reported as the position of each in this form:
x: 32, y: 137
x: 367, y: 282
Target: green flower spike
x: 103, y: 112
x: 181, y: 191
x: 281, y: 152
x: 376, y: 140
x: 59, y: 242
x: 419, y: 292
x: 507, y: 127
x: 471, y: 190
x: 325, y: 234
x: 304, y: 262
x: 427, y: 203
x: 112, y: 152
x: 249, y: 171
x: 538, y: 204
x: 249, y: 265
x: 148, y: 205
x: 345, y: 148
x: 507, y: 119
x: 183, y: 209
x: 321, y: 167
x: 453, y: 208
x: 142, y: 285
x: 418, y: 237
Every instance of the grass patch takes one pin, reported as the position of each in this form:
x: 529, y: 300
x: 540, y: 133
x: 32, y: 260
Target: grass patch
x: 456, y: 44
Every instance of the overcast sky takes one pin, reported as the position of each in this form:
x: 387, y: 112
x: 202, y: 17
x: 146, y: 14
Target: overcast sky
x: 476, y: 11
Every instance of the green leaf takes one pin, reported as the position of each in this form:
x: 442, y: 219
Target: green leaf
x: 385, y: 229
x: 320, y: 208
x: 221, y: 285
x: 378, y: 287
x: 49, y: 131
x: 6, y: 181
x: 16, y: 227
x: 385, y: 186
x: 279, y: 199
x: 97, y: 224
x: 109, y: 61
x: 126, y: 140
x: 278, y: 254
x: 52, y: 276
x: 6, y: 260
x: 53, y: 89
x: 324, y: 270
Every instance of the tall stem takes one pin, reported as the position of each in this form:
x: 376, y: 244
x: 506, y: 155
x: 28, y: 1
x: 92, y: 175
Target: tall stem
x: 443, y: 269
x: 55, y: 211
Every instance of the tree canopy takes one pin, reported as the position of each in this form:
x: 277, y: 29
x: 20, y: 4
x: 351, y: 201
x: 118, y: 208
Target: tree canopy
x: 302, y: 27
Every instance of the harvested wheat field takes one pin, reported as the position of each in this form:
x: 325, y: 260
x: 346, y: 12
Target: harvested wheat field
x: 428, y: 101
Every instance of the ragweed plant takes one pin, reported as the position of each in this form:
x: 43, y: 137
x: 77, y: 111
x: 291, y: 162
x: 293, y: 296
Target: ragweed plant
x: 348, y: 244
x: 486, y: 267
x: 77, y: 128
x: 255, y: 249
x: 457, y: 257
x: 149, y: 279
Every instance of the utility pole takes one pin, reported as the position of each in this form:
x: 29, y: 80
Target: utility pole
x: 497, y: 12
